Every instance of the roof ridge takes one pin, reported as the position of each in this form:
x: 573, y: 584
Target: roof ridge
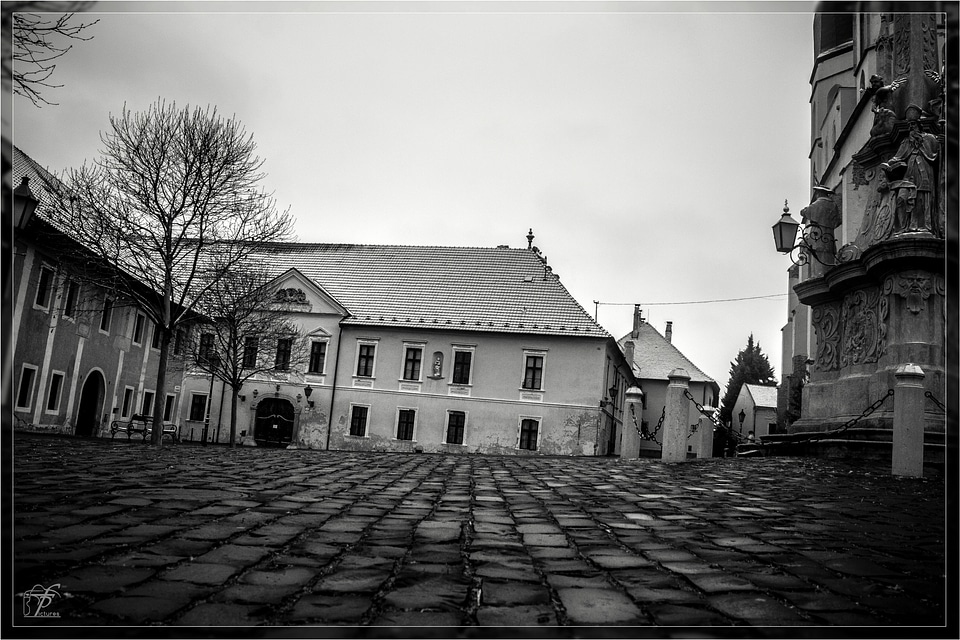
x: 670, y: 344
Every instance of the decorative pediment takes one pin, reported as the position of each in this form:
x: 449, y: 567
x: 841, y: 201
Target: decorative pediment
x: 302, y: 294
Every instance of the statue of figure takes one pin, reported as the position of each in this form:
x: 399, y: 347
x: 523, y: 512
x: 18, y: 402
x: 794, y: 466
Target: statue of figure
x: 915, y: 162
x: 884, y: 116
x: 825, y: 216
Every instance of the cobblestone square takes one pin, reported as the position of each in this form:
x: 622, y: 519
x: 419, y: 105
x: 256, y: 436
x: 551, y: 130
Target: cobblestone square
x: 186, y: 535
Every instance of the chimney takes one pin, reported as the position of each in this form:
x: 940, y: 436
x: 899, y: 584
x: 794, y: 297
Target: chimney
x: 669, y: 332
x: 628, y: 347
x: 637, y: 319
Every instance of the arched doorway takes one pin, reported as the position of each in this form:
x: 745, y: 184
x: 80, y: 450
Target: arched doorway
x: 91, y: 405
x: 274, y: 423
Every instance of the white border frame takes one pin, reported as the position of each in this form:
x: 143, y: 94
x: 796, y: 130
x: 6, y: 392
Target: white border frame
x: 366, y: 425
x: 133, y: 401
x: 416, y: 423
x: 541, y: 353
x: 520, y: 420
x: 409, y: 344
x: 472, y: 350
x: 46, y: 402
x: 446, y: 427
x: 143, y: 329
x: 373, y: 342
x: 51, y: 288
x: 326, y: 354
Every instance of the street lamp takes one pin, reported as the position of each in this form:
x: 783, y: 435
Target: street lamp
x: 24, y: 204
x: 742, y: 415
x: 307, y: 390
x: 812, y: 236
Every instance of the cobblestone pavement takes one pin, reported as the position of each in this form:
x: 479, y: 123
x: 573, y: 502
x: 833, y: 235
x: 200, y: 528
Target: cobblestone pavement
x: 189, y: 535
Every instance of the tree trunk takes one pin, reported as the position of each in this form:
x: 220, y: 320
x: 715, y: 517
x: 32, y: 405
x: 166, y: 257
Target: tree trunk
x: 233, y: 415
x: 160, y: 393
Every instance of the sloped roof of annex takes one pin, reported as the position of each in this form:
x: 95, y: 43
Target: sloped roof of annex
x: 500, y: 290
x: 655, y: 357
x: 765, y: 397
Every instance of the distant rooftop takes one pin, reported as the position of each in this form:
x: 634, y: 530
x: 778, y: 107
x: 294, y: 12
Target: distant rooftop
x: 763, y: 396
x: 656, y: 357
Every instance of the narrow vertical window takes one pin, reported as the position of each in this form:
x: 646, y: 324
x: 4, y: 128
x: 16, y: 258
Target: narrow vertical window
x: 53, y: 396
x: 168, y: 408
x: 406, y: 418
x: 198, y: 407
x: 105, y: 315
x: 365, y: 359
x: 70, y: 302
x: 147, y: 408
x: 251, y: 345
x: 28, y: 374
x: 178, y: 342
x: 358, y: 421
x: 529, y: 430
x: 318, y: 357
x: 44, y: 288
x: 155, y: 343
x: 138, y: 326
x: 411, y: 363
x: 282, y: 361
x: 533, y: 373
x: 462, y: 363
x: 127, y: 403
x: 205, y: 352
x: 455, y: 423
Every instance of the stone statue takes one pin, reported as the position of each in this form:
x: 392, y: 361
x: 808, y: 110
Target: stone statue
x: 825, y: 216
x: 884, y: 116
x: 915, y: 162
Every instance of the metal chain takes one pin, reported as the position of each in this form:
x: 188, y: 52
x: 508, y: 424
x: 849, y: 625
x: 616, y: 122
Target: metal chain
x: 927, y: 394
x: 712, y: 416
x: 647, y: 435
x: 852, y: 421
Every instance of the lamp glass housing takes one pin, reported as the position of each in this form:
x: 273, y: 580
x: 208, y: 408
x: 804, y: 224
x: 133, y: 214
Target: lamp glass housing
x: 785, y: 233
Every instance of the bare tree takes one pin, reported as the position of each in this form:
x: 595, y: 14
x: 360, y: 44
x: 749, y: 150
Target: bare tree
x: 40, y: 33
x: 246, y: 331
x: 173, y: 203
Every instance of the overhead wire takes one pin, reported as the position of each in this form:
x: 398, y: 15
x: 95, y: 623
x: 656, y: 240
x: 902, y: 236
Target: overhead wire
x: 661, y: 304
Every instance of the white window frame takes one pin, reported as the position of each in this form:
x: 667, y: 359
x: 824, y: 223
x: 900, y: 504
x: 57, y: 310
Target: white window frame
x: 33, y: 385
x: 144, y: 403
x: 169, y: 401
x: 107, y: 316
x: 422, y: 347
x: 541, y: 353
x: 472, y: 349
x: 51, y: 287
x: 366, y: 425
x: 140, y: 318
x: 46, y: 403
x: 375, y: 343
x: 539, y: 420
x: 416, y: 423
x: 193, y: 396
x: 68, y: 284
x: 446, y: 427
x: 326, y: 353
x: 127, y: 411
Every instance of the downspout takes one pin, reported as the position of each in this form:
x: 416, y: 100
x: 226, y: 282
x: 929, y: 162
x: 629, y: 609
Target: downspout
x: 333, y: 391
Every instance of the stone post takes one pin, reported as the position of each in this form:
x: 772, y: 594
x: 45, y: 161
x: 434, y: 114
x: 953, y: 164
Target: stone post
x: 908, y: 421
x: 704, y: 438
x: 632, y: 418
x: 676, y: 422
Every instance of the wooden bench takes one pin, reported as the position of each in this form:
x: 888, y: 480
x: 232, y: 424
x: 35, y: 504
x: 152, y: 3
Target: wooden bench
x: 142, y: 425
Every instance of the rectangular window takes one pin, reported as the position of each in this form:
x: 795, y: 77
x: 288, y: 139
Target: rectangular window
x: 251, y: 345
x: 178, y: 342
x: 105, y: 315
x: 365, y: 360
x: 70, y: 302
x: 127, y: 405
x: 406, y: 419
x: 529, y: 430
x: 358, y: 420
x: 53, y: 396
x: 168, y: 407
x: 455, y: 423
x: 138, y: 327
x: 533, y: 373
x: 205, y: 353
x: 198, y: 407
x: 28, y: 373
x: 462, y: 364
x: 147, y: 408
x: 411, y: 363
x: 44, y: 288
x: 318, y: 357
x: 155, y: 343
x: 283, y: 353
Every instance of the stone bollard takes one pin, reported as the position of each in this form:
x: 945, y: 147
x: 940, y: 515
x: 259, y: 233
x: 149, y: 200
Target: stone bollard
x: 704, y: 438
x: 908, y: 421
x: 632, y: 418
x: 676, y: 422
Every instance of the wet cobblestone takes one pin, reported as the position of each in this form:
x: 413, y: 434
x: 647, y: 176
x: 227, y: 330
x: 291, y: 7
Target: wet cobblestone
x: 187, y: 535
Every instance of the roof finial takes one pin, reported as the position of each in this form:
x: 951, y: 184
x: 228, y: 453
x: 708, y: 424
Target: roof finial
x: 530, y: 239
x: 786, y: 207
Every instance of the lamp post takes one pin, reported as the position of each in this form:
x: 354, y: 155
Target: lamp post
x: 742, y: 415
x: 212, y: 361
x: 24, y: 204
x: 812, y: 236
x: 307, y: 390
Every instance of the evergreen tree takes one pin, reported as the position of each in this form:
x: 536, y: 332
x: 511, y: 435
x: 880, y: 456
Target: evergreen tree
x: 750, y: 367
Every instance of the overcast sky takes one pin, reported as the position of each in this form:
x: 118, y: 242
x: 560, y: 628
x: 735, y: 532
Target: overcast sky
x: 650, y: 147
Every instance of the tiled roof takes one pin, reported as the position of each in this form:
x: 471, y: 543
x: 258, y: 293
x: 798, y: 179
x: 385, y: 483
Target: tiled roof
x: 655, y: 357
x: 763, y: 396
x: 42, y: 182
x: 500, y: 289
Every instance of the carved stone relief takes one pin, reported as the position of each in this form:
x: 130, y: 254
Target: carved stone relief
x: 915, y: 287
x: 826, y: 323
x: 295, y: 296
x: 860, y: 321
